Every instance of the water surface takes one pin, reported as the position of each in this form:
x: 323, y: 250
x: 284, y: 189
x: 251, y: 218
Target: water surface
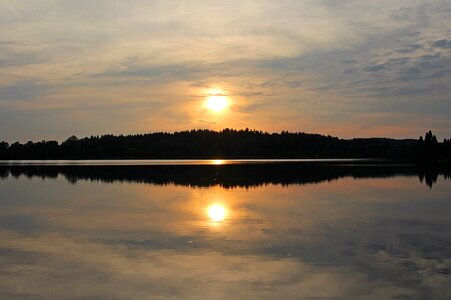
x: 166, y: 162
x: 288, y: 230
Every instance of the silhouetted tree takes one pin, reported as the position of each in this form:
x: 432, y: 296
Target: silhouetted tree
x: 430, y: 139
x: 430, y: 148
x: 3, y: 148
x: 421, y: 141
x: 72, y: 138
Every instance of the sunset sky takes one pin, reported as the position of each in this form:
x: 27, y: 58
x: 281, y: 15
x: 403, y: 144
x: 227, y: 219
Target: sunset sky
x: 346, y: 68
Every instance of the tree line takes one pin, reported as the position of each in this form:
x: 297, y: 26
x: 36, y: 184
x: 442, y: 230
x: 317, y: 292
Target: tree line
x: 227, y: 143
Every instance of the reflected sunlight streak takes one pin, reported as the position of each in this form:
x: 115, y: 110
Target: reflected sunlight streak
x: 217, y: 162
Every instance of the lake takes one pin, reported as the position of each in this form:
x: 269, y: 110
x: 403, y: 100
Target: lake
x: 218, y: 229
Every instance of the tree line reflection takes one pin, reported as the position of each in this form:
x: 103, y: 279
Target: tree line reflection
x: 229, y: 176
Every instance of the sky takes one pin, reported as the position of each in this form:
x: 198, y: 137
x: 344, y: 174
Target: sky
x: 350, y: 68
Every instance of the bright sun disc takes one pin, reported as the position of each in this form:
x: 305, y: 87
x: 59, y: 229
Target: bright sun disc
x: 217, y: 103
x: 216, y: 212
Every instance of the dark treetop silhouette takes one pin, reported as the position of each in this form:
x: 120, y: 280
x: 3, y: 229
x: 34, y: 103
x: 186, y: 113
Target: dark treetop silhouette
x: 227, y: 143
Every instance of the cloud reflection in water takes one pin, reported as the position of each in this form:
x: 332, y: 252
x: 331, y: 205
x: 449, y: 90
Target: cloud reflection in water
x: 372, y: 237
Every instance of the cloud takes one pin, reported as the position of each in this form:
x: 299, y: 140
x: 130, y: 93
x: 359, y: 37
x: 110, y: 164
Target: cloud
x: 444, y: 43
x: 410, y: 48
x: 23, y: 91
x: 270, y: 57
x: 375, y: 68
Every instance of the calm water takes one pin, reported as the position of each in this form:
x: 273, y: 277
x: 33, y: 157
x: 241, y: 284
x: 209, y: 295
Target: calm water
x: 165, y: 162
x: 286, y: 230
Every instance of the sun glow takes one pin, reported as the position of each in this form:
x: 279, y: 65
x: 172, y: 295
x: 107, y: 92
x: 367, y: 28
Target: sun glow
x: 216, y: 212
x: 217, y: 101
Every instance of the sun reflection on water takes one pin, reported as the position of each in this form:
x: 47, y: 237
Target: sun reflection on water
x: 217, y: 212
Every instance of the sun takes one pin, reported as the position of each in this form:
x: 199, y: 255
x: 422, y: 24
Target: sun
x: 217, y: 103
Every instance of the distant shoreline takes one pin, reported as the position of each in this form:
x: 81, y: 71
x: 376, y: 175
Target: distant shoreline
x: 229, y: 144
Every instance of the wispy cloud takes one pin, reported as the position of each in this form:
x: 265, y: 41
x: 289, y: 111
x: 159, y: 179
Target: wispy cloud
x: 304, y: 59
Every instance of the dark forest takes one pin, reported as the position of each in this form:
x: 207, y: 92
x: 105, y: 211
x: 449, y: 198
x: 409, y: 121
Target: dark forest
x: 228, y: 143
